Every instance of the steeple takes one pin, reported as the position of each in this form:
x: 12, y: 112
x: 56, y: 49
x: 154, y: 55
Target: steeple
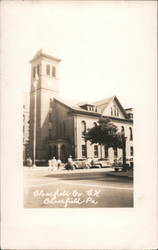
x: 47, y: 69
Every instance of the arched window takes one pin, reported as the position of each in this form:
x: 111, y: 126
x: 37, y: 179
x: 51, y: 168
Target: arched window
x: 48, y: 69
x: 115, y: 111
x: 131, y: 134
x: 122, y: 130
x: 83, y: 127
x: 53, y: 71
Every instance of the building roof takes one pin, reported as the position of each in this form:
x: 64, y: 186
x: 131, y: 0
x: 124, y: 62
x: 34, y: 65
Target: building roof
x: 101, y: 105
x: 74, y: 106
x: 42, y: 53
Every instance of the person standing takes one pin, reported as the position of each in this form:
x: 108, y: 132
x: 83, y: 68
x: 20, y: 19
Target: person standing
x: 58, y: 163
x: 54, y: 164
x: 50, y: 165
x: 70, y: 162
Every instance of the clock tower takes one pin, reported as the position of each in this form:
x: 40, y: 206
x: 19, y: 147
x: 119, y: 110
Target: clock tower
x: 44, y: 87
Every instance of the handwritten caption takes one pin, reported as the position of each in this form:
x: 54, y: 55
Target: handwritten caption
x: 66, y: 198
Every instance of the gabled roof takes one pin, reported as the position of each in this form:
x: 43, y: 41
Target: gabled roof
x: 74, y: 106
x: 42, y: 53
x: 105, y: 102
x: 101, y: 105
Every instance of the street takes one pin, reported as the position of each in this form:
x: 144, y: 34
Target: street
x: 92, y: 188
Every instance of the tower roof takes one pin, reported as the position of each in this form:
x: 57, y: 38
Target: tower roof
x: 43, y: 54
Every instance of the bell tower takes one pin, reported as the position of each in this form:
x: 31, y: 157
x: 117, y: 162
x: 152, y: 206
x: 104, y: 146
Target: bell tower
x: 44, y: 87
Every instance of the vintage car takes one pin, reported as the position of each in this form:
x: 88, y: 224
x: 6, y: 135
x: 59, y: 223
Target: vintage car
x: 118, y: 164
x: 100, y: 163
x: 79, y: 163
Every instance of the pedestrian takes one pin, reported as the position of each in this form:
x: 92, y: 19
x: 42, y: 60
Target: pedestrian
x: 50, y: 165
x: 58, y: 163
x: 54, y: 163
x: 70, y: 162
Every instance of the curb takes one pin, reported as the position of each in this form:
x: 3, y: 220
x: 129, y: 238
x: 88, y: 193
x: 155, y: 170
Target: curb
x: 124, y: 176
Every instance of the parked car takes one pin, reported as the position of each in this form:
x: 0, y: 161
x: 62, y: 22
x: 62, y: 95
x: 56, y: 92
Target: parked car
x: 118, y: 164
x: 79, y: 163
x: 101, y: 163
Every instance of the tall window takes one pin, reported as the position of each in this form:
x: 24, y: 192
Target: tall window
x: 115, y: 153
x: 123, y: 130
x: 131, y: 134
x: 84, y: 151
x: 53, y: 71
x: 48, y: 69
x: 83, y: 127
x: 131, y: 151
x: 106, y: 151
x: 115, y: 111
x: 96, y: 151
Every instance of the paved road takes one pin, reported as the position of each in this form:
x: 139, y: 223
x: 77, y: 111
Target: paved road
x: 81, y: 189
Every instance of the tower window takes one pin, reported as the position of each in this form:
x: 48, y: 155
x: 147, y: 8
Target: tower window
x: 48, y: 69
x: 131, y: 151
x: 53, y: 71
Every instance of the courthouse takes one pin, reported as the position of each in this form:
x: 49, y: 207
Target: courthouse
x: 57, y: 126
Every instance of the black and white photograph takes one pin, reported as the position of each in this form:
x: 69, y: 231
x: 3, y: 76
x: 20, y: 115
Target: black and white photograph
x: 75, y: 154
x: 79, y: 124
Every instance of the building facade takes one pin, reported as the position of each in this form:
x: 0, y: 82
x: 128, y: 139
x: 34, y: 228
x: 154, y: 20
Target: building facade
x: 57, y: 126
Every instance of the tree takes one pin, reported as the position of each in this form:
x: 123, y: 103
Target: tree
x: 106, y: 133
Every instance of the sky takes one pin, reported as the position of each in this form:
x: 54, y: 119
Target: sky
x: 105, y: 47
